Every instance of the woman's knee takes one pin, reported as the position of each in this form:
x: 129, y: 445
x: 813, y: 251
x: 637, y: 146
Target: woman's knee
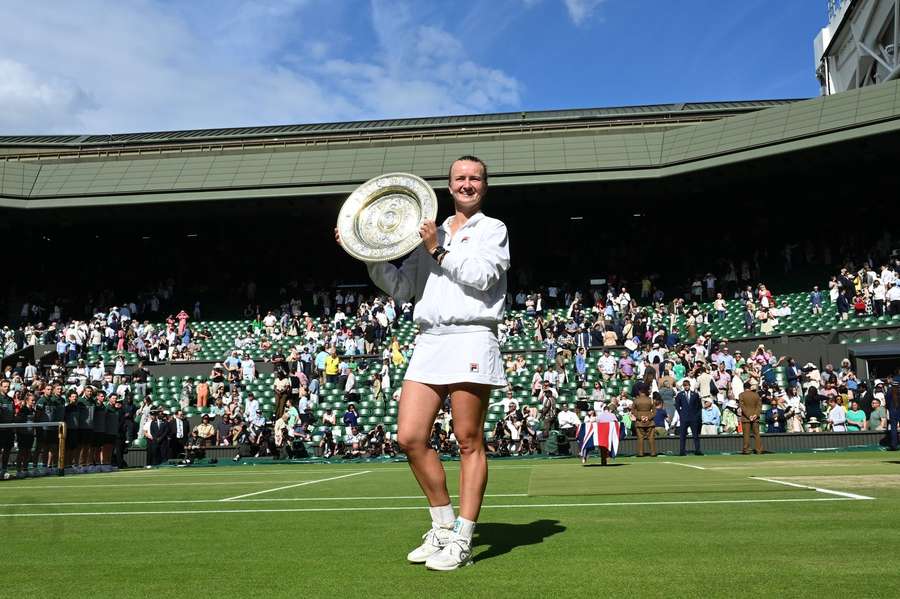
x: 469, y: 441
x: 411, y: 442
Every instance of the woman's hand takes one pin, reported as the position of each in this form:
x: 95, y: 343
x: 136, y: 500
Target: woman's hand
x: 428, y: 233
x: 337, y: 236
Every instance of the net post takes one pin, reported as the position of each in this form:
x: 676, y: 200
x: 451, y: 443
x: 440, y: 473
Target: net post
x: 61, y: 453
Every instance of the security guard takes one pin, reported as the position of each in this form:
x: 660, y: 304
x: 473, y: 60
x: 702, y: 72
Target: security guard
x: 644, y: 411
x: 751, y: 409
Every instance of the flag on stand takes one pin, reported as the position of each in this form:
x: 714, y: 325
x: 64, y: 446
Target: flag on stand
x: 592, y: 435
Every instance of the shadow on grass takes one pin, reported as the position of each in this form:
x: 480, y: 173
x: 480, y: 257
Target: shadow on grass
x: 602, y: 466
x: 502, y: 537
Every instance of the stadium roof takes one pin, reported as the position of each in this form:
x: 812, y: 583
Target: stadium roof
x: 553, y: 147
x: 673, y: 112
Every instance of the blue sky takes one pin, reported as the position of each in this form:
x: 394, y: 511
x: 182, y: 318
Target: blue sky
x: 99, y: 66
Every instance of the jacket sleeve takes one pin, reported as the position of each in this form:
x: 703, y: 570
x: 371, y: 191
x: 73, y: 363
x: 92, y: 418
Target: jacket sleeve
x: 481, y: 271
x: 399, y: 283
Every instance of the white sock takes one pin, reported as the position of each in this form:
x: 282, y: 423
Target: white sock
x: 442, y: 516
x: 463, y: 529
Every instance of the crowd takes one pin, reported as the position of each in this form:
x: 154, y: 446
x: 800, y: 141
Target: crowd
x: 600, y: 337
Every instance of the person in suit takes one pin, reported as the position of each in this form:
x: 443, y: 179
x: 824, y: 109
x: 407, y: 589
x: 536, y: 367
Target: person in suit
x: 893, y: 405
x: 179, y: 432
x: 751, y: 408
x: 687, y: 404
x: 152, y: 433
x: 165, y: 439
x: 644, y: 412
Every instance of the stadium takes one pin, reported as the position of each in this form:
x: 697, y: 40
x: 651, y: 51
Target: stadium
x: 722, y: 245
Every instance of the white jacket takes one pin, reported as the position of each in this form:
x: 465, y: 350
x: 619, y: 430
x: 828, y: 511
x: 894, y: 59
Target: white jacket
x: 467, y: 288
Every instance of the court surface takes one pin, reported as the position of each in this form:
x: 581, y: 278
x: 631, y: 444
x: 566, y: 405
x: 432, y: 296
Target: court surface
x: 804, y: 525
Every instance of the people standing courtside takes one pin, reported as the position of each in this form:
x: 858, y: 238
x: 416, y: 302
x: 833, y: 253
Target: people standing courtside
x: 687, y: 404
x: 751, y: 409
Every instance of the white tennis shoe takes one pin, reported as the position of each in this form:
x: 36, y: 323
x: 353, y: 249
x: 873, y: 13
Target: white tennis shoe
x: 432, y: 541
x: 456, y: 554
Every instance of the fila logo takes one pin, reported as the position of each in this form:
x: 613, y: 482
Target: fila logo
x: 473, y: 367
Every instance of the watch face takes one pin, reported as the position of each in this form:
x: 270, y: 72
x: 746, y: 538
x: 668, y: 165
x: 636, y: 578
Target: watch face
x: 381, y: 218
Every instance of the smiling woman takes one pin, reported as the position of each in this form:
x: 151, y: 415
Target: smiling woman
x: 458, y: 277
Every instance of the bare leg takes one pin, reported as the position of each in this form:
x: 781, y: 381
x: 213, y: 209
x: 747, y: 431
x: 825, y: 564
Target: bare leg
x: 469, y: 404
x: 419, y: 405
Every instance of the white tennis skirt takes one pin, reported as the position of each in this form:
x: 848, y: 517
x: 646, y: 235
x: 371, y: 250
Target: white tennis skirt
x: 447, y: 355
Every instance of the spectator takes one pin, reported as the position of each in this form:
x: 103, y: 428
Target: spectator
x: 711, y: 417
x: 815, y: 301
x: 327, y: 446
x: 351, y: 416
x: 730, y: 416
x: 843, y: 305
x: 606, y: 365
x: 795, y: 411
x: 332, y: 366
x: 776, y: 421
x: 837, y: 416
x: 660, y: 418
x: 878, y: 416
x: 568, y: 421
x: 204, y: 432
x: 856, y: 418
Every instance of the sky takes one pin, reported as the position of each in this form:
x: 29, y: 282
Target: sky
x: 113, y: 66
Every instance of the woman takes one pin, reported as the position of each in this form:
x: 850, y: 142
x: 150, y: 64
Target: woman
x: 537, y: 380
x: 598, y: 397
x: 834, y: 288
x: 202, y: 393
x: 795, y: 411
x: 327, y: 446
x: 396, y: 355
x: 458, y: 276
x: 856, y: 418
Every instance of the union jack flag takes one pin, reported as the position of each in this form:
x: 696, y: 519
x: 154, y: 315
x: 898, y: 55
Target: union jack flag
x: 592, y: 435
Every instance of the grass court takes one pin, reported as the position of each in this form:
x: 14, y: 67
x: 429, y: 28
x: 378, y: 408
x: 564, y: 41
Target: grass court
x: 802, y: 525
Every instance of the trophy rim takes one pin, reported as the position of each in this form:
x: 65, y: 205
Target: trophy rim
x: 425, y: 196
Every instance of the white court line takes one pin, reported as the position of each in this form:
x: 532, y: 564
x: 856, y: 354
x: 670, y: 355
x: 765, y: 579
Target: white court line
x: 685, y: 465
x: 317, y: 468
x: 264, y: 499
x: 307, y: 482
x: 5, y: 486
x: 406, y: 508
x: 817, y: 489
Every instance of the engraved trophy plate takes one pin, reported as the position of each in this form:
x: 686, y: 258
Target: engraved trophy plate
x: 381, y: 218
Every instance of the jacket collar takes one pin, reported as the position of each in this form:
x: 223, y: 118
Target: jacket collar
x: 472, y: 221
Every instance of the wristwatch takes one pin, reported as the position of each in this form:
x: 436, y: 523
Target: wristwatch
x: 438, y: 253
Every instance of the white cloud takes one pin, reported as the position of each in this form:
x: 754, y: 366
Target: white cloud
x: 104, y: 66
x: 26, y: 96
x: 580, y: 11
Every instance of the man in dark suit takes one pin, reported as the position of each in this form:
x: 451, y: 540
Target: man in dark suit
x: 179, y: 431
x: 163, y: 437
x: 687, y: 404
x: 893, y: 406
x: 154, y: 432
